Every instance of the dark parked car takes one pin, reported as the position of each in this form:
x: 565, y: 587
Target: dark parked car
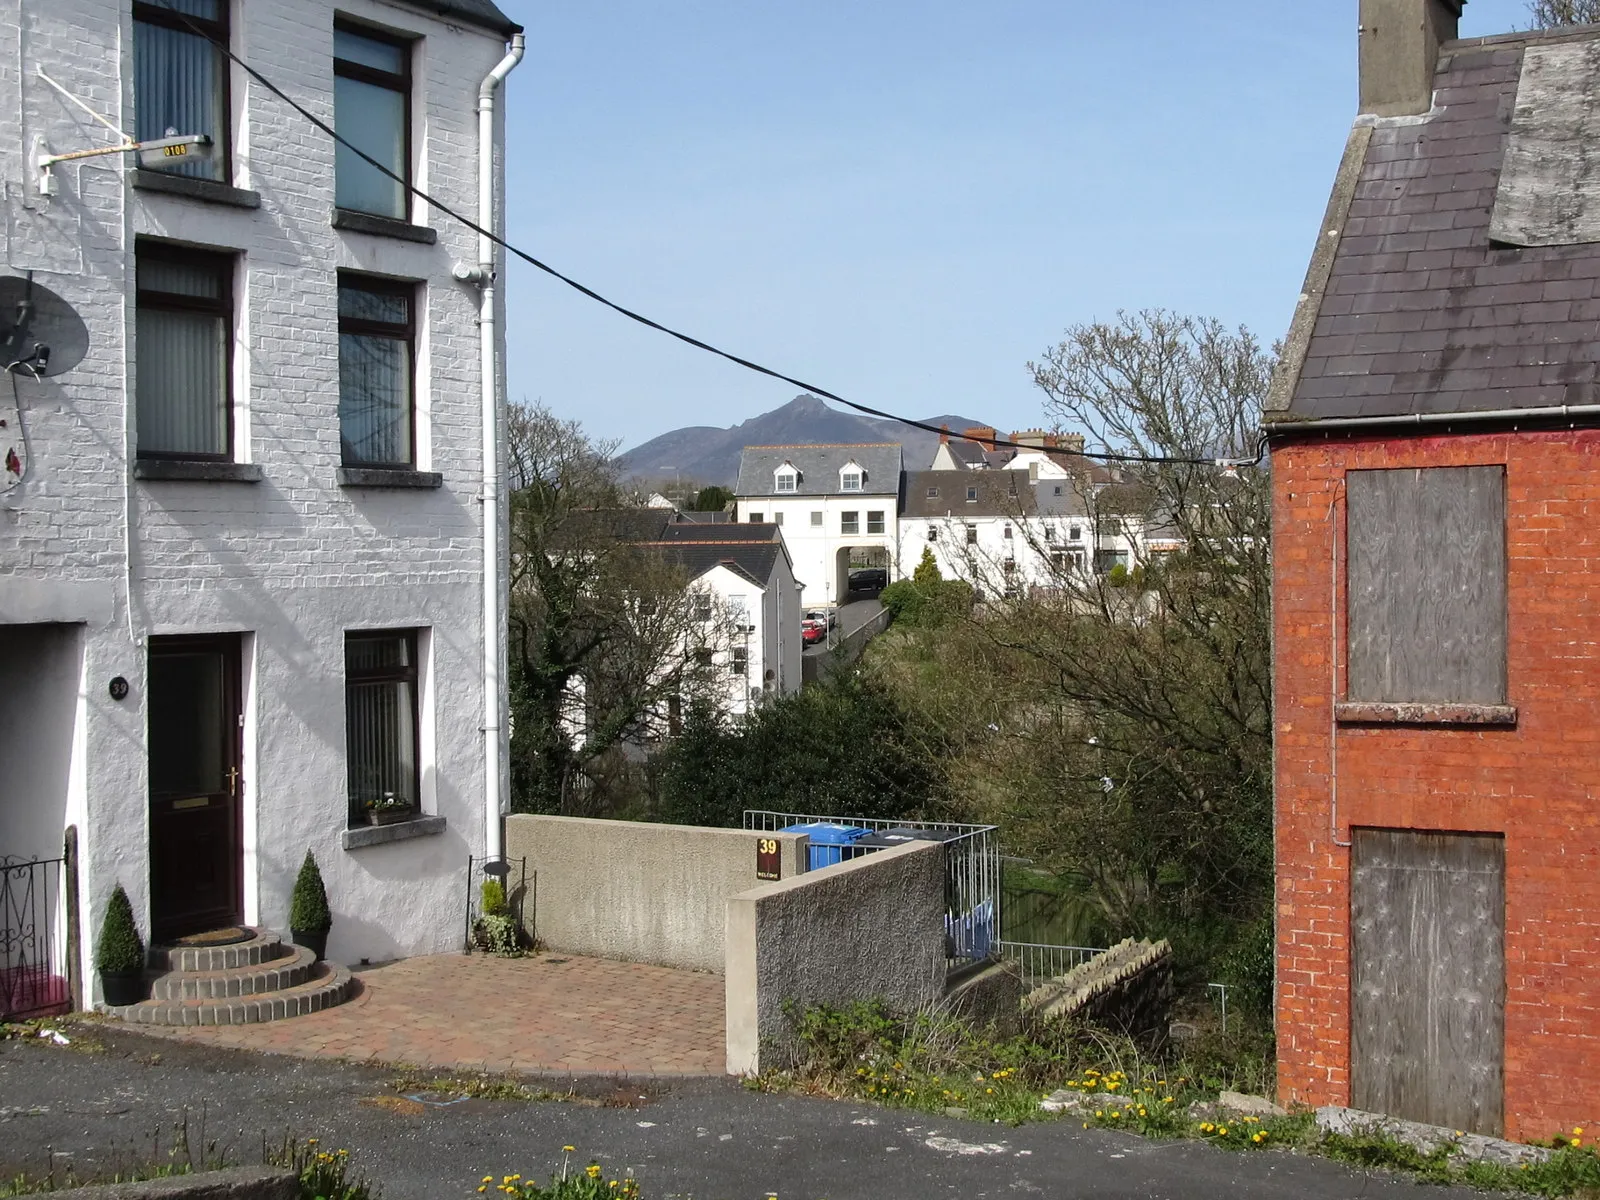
x: 869, y: 579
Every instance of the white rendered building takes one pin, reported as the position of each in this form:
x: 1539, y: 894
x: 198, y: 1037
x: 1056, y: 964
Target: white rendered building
x: 243, y: 547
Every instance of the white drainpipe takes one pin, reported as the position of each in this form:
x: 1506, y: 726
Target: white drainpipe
x: 494, y: 617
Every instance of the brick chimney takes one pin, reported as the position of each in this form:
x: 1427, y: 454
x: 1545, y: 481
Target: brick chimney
x: 1400, y: 42
x: 984, y: 435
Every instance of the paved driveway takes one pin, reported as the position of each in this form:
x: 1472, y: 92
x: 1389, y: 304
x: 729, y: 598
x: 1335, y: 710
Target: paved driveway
x: 552, y: 1013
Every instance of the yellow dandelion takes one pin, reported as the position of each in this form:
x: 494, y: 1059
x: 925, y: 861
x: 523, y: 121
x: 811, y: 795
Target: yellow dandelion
x: 488, y: 1178
x: 568, y: 1149
x: 1223, y: 1130
x: 592, y: 1170
x: 1576, y: 1142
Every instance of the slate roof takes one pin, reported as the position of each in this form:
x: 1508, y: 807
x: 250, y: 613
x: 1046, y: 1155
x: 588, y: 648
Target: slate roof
x: 753, y: 560
x: 1422, y: 312
x: 819, y: 469
x: 969, y: 453
x: 473, y: 12
x: 995, y: 497
x: 723, y: 531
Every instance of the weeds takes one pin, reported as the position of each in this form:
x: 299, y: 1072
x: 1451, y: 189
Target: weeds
x: 587, y: 1184
x: 190, y: 1151
x: 323, y: 1174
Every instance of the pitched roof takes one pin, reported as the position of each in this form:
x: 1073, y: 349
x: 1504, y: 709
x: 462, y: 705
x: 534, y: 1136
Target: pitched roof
x: 1426, y: 309
x: 753, y: 560
x: 818, y: 468
x: 722, y: 532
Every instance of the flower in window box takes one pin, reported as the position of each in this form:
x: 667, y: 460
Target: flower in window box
x: 389, y: 808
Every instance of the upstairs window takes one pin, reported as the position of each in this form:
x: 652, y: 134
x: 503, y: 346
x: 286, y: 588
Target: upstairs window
x: 816, y: 520
x: 372, y: 110
x: 180, y: 80
x: 739, y: 662
x: 1075, y: 533
x: 972, y: 495
x: 850, y: 478
x: 933, y: 533
x: 183, y: 343
x: 377, y: 331
x: 700, y: 606
x: 757, y: 517
x: 777, y: 518
x: 849, y: 523
x: 933, y: 493
x: 1426, y: 585
x: 1006, y: 533
x: 875, y: 522
x: 786, y: 480
x: 972, y: 535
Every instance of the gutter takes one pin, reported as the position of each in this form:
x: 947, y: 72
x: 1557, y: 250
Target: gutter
x: 1414, y: 420
x: 496, y: 735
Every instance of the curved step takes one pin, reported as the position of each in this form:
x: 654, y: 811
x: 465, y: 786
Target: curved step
x: 274, y: 975
x: 329, y: 985
x: 264, y: 947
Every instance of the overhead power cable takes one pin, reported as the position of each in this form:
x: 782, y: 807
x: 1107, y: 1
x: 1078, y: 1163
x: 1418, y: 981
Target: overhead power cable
x: 687, y: 339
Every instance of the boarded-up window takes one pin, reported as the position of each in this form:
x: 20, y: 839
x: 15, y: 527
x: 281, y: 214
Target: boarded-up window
x: 1427, y: 585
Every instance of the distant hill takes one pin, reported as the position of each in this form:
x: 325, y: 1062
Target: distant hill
x: 711, y: 456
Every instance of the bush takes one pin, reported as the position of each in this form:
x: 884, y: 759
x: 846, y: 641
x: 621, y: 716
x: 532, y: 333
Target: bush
x: 494, y: 898
x: 308, y: 909
x: 121, y: 950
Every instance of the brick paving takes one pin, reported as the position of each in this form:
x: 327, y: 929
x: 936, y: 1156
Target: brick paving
x: 552, y: 1013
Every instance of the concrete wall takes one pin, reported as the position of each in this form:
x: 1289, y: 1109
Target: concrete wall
x: 292, y: 561
x: 636, y: 891
x: 234, y: 1183
x: 870, y: 928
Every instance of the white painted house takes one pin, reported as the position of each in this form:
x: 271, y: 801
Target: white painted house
x: 838, y: 507
x: 243, y: 580
x: 743, y: 574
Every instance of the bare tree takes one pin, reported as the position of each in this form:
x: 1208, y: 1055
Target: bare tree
x: 1548, y: 14
x: 605, y: 639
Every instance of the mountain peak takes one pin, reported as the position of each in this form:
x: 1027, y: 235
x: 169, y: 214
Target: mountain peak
x: 711, y: 456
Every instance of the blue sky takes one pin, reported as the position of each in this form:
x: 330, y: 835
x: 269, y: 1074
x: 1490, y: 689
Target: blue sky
x: 905, y: 202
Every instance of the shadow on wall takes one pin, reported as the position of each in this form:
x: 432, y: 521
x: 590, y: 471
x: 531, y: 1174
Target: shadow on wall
x: 41, y: 673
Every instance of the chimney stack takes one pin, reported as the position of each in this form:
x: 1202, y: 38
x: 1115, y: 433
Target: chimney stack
x: 944, y: 434
x: 1400, y: 42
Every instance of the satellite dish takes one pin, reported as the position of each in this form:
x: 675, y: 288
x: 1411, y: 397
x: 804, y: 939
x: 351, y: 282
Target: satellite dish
x: 40, y: 333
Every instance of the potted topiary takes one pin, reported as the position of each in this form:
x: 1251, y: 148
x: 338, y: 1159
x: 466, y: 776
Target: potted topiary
x: 309, y: 918
x: 120, y: 955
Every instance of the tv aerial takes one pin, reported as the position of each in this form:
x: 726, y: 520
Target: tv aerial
x: 40, y: 333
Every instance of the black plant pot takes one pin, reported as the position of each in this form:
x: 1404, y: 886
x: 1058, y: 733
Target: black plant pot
x: 122, y: 989
x: 314, y: 940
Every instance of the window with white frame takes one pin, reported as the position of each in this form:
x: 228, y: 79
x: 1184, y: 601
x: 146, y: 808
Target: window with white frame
x: 1075, y: 533
x: 739, y: 662
x: 183, y: 336
x: 787, y: 479
x: 850, y: 478
x: 700, y: 606
x: 933, y: 493
x: 180, y: 81
x: 933, y: 533
x: 777, y: 518
x: 849, y: 523
x: 875, y: 522
x: 382, y: 722
x: 972, y: 535
x: 1005, y: 532
x: 972, y: 495
x: 756, y: 518
x: 816, y: 520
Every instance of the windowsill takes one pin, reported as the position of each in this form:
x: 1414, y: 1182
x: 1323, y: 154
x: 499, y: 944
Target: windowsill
x: 187, y: 186
x: 388, y: 477
x: 357, y: 222
x: 180, y: 470
x: 1370, y: 712
x: 381, y: 835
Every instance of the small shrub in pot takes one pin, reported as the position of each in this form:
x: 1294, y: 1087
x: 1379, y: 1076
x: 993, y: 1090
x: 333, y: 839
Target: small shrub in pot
x: 309, y: 915
x: 119, y: 956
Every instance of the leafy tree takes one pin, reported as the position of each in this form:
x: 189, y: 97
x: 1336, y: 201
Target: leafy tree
x: 1547, y: 14
x: 927, y: 573
x: 603, y: 640
x: 711, y: 499
x: 838, y: 747
x: 1121, y: 735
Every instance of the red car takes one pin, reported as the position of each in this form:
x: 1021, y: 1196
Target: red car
x: 812, y: 632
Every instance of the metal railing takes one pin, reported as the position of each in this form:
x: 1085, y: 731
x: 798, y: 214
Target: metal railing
x: 33, y: 979
x: 1040, y: 962
x: 971, y: 879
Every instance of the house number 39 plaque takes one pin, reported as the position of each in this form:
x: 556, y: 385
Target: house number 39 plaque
x: 768, y: 865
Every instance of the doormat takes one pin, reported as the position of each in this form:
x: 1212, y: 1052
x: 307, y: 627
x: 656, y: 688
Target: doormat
x: 217, y: 937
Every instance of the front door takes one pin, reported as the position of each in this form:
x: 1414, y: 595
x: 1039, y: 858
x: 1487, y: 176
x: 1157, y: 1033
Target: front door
x: 196, y: 843
x: 1427, y: 979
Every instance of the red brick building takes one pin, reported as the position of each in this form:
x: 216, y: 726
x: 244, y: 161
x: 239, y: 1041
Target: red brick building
x: 1435, y: 434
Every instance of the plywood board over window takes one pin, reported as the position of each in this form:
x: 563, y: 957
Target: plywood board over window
x: 1426, y: 585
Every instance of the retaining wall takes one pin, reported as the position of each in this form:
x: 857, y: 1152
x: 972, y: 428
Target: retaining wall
x: 637, y: 891
x: 870, y: 928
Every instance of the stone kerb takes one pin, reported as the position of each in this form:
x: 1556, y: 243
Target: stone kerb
x: 638, y: 891
x: 235, y: 1183
x: 869, y: 928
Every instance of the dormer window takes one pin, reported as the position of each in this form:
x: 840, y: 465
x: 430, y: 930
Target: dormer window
x: 933, y: 493
x: 972, y: 495
x: 787, y: 479
x: 850, y: 477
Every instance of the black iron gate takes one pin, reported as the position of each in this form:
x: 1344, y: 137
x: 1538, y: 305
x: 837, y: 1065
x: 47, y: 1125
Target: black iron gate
x: 33, y: 938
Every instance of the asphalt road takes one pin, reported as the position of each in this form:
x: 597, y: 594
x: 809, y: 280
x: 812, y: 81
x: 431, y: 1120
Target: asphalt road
x: 707, y: 1139
x: 852, y: 617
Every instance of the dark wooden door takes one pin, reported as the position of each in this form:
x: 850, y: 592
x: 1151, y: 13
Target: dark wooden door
x: 196, y: 843
x: 1427, y: 977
